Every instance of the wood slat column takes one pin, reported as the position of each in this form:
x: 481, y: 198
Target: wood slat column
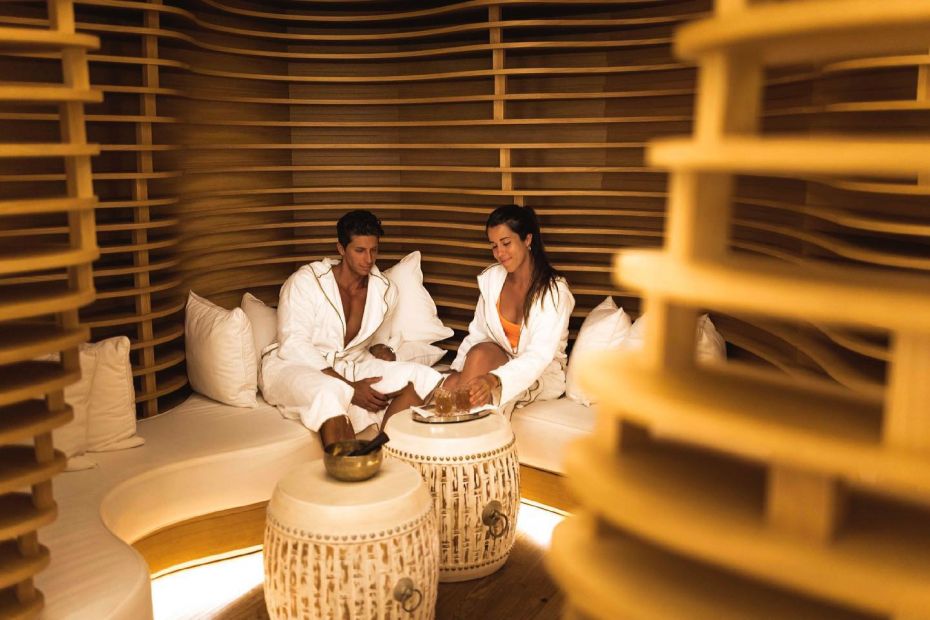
x: 137, y: 276
x: 786, y: 498
x: 38, y: 318
x: 499, y: 110
x: 141, y: 215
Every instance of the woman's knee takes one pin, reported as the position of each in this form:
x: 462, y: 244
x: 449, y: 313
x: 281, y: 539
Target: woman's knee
x: 486, y: 355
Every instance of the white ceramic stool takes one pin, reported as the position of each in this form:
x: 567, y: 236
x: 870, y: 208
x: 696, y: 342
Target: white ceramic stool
x: 351, y: 549
x: 472, y: 471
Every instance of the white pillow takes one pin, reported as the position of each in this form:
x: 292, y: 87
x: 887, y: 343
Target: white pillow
x: 415, y: 318
x: 419, y: 352
x: 221, y: 361
x: 604, y: 328
x: 71, y: 439
x: 264, y: 321
x: 710, y: 344
x: 111, y: 419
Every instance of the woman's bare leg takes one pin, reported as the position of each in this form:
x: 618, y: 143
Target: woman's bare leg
x: 404, y: 399
x: 482, y: 359
x: 452, y: 380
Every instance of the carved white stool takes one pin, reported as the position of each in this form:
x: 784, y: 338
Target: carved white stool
x: 351, y: 549
x: 472, y: 471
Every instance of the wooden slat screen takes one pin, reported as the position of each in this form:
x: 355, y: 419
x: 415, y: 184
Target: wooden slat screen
x: 430, y: 117
x: 48, y: 245
x: 234, y: 134
x: 799, y: 207
x: 135, y: 176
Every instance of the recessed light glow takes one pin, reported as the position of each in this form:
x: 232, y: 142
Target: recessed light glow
x: 204, y: 591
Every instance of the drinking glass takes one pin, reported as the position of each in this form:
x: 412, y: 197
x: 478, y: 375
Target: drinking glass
x: 463, y: 400
x: 444, y: 401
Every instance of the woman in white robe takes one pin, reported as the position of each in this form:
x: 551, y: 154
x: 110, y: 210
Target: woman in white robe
x: 515, y: 349
x: 311, y: 339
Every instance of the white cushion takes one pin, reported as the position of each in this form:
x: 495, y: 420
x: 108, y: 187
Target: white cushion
x: 419, y: 352
x: 111, y: 420
x: 201, y: 457
x: 71, y: 439
x: 264, y: 321
x: 415, y: 318
x: 710, y: 344
x: 221, y: 359
x: 604, y: 328
x: 544, y: 428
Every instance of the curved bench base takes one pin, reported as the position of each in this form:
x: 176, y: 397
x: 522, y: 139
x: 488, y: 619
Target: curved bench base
x: 198, y: 488
x: 195, y: 540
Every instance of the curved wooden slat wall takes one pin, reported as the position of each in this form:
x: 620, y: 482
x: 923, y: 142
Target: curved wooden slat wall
x: 431, y: 119
x: 135, y: 176
x: 49, y: 243
x: 232, y: 137
x: 234, y: 134
x: 730, y: 490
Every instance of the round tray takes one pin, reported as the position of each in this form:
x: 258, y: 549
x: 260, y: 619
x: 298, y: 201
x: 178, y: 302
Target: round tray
x: 451, y: 419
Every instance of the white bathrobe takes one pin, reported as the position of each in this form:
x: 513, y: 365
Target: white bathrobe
x: 311, y: 337
x: 536, y: 370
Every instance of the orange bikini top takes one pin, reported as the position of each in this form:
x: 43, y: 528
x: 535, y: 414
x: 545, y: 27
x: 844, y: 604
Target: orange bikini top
x: 511, y: 330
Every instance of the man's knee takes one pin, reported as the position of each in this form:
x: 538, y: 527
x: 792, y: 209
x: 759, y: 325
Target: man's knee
x: 331, y: 387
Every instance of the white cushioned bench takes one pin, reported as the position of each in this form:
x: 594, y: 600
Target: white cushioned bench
x: 200, y: 458
x: 543, y: 430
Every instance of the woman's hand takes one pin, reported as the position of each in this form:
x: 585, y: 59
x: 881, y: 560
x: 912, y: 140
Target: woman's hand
x: 383, y: 352
x: 481, y: 389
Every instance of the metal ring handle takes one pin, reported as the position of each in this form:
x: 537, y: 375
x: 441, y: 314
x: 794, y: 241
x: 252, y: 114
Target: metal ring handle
x: 493, y: 516
x: 405, y: 592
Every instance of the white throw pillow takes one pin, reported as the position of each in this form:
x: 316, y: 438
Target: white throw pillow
x: 221, y: 360
x: 415, y: 318
x: 419, y: 352
x: 111, y: 419
x: 71, y: 439
x: 710, y: 344
x: 605, y: 327
x: 264, y: 321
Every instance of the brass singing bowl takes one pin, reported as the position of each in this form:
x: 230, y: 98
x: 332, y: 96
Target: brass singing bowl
x: 350, y: 468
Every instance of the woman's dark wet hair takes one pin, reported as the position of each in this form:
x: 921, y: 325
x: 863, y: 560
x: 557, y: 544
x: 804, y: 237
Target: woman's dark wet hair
x: 358, y: 223
x: 522, y: 221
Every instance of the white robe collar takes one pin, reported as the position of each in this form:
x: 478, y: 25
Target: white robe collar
x: 376, y: 304
x: 490, y: 283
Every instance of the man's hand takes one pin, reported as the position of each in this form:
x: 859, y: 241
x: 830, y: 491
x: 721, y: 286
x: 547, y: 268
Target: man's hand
x: 366, y: 396
x: 481, y: 389
x: 383, y: 352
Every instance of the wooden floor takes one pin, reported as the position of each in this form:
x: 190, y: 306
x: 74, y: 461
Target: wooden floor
x: 521, y: 590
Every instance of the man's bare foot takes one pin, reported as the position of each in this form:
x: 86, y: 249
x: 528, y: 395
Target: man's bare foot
x: 336, y: 429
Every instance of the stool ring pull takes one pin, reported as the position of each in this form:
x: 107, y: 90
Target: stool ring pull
x: 493, y: 516
x: 407, y: 595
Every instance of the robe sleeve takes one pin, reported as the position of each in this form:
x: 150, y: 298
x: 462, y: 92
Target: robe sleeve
x: 545, y: 332
x: 297, y: 316
x: 477, y: 332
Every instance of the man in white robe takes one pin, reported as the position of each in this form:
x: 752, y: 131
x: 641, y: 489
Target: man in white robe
x: 332, y: 367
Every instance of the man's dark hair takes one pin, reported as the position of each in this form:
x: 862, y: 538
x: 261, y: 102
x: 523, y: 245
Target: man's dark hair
x: 357, y: 223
